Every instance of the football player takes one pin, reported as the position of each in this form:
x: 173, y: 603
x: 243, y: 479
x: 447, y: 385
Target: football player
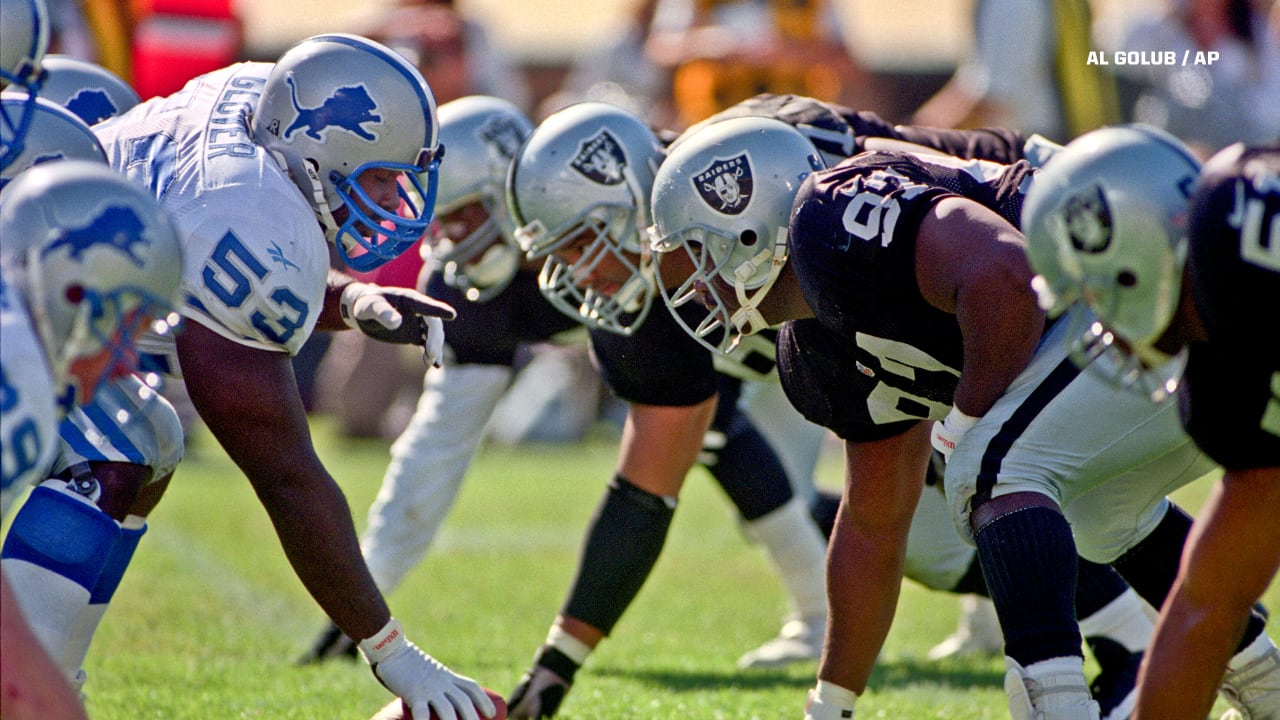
x: 263, y: 166
x: 574, y: 189
x: 910, y: 325
x: 1164, y: 286
x: 88, y: 261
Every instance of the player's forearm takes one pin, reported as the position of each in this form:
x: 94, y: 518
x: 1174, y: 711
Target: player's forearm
x: 314, y: 524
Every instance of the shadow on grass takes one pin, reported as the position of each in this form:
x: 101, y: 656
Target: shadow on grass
x: 899, y: 673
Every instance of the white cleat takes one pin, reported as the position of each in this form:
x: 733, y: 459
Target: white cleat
x: 1049, y: 690
x: 799, y: 639
x: 1254, y: 690
x: 978, y: 632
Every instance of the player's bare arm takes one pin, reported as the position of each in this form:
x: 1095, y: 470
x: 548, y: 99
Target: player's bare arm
x: 249, y: 399
x: 971, y: 262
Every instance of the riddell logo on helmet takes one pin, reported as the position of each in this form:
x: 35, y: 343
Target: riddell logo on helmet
x: 601, y: 159
x: 726, y: 185
x: 1087, y: 220
x: 117, y: 227
x: 348, y: 108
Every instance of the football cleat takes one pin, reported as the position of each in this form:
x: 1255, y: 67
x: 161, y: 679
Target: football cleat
x: 1052, y: 690
x: 1115, y: 688
x: 331, y: 643
x: 538, y: 695
x: 1254, y: 690
x: 977, y: 634
x: 799, y: 639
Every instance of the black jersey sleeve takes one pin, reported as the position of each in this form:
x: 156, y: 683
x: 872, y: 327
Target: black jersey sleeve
x: 488, y: 333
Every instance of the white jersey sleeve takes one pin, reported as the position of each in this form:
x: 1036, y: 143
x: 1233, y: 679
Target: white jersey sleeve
x: 28, y: 413
x: 255, y: 258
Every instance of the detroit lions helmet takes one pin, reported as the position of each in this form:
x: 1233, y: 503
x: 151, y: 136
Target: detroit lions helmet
x: 482, y: 133
x: 55, y: 134
x: 87, y: 89
x: 1105, y: 222
x: 337, y: 106
x: 723, y: 198
x: 24, y: 38
x: 579, y: 195
x: 98, y: 263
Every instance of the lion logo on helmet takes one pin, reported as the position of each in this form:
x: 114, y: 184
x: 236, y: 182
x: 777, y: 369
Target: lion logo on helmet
x: 117, y: 227
x: 348, y: 108
x: 726, y: 184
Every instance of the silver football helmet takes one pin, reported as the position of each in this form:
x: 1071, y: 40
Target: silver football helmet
x: 723, y: 199
x: 579, y: 195
x: 87, y: 89
x: 24, y: 38
x: 98, y: 263
x: 1105, y: 222
x: 55, y: 134
x: 482, y: 133
x: 337, y: 106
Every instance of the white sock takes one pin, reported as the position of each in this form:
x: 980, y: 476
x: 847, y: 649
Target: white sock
x: 1123, y: 620
x: 828, y: 701
x: 798, y: 554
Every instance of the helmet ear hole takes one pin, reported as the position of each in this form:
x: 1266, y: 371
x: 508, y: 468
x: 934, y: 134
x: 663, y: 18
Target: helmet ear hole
x: 748, y: 238
x: 1126, y: 278
x: 75, y: 293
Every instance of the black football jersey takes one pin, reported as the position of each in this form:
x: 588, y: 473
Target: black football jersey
x: 658, y: 364
x: 1230, y: 397
x: 488, y: 333
x: 877, y: 356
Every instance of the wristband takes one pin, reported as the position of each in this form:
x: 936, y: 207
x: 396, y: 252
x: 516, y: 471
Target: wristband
x: 947, y: 432
x: 383, y: 643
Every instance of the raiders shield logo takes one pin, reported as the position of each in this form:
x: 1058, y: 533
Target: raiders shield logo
x: 725, y: 185
x: 1087, y: 219
x: 601, y: 159
x: 502, y: 135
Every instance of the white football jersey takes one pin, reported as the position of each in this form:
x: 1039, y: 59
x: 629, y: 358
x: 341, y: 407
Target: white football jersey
x: 255, y: 257
x: 28, y: 413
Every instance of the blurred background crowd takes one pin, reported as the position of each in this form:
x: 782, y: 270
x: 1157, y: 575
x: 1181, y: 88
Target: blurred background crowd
x: 962, y: 63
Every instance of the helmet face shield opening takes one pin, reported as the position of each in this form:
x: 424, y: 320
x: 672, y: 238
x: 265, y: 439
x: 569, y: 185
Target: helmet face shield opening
x: 590, y: 276
x: 689, y: 264
x: 370, y: 235
x: 1135, y: 368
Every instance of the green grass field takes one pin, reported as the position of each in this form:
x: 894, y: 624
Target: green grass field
x: 209, y: 619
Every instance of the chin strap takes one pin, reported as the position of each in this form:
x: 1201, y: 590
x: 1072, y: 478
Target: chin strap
x: 318, y: 201
x: 747, y: 319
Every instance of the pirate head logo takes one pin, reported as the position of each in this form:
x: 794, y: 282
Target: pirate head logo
x: 725, y: 185
x: 502, y: 136
x: 1087, y: 220
x: 601, y: 159
x: 348, y: 108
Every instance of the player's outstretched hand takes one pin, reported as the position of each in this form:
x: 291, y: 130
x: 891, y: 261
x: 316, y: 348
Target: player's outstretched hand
x: 397, y: 315
x: 425, y: 685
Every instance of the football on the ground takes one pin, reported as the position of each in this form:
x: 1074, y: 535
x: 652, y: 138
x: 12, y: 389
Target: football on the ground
x: 397, y: 710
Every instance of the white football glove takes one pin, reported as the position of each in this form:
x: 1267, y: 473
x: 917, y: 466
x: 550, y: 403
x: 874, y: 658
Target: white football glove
x: 420, y: 680
x: 397, y: 315
x: 948, y: 432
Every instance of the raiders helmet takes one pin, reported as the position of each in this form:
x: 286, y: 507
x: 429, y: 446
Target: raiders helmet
x: 97, y: 261
x: 1105, y: 222
x: 582, y: 181
x: 482, y: 134
x: 336, y: 106
x: 723, y: 201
